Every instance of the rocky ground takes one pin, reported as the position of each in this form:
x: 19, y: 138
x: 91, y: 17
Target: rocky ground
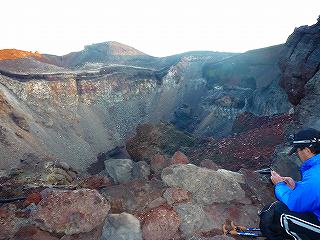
x: 128, y: 200
x: 167, y: 185
x: 251, y: 145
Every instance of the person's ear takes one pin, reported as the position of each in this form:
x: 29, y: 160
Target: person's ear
x: 308, y: 151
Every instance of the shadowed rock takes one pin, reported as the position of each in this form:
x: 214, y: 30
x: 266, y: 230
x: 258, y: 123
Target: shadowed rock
x: 120, y: 170
x: 122, y: 226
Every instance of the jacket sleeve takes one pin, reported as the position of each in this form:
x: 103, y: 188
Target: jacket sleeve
x: 300, y: 199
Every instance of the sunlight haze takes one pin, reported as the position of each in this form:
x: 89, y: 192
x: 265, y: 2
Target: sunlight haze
x: 158, y: 28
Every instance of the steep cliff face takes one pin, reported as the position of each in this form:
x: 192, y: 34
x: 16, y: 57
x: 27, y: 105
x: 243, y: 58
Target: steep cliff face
x: 300, y: 60
x: 300, y: 77
x: 246, y: 82
x: 300, y: 65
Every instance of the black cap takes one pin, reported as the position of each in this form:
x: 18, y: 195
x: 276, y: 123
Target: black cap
x: 309, y: 137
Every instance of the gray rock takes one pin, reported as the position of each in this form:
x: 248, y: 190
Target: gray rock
x: 122, y: 226
x: 284, y: 164
x: 207, y: 186
x: 192, y: 217
x: 120, y: 170
x: 141, y: 170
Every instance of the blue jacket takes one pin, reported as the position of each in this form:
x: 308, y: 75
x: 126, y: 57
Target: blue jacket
x: 306, y: 195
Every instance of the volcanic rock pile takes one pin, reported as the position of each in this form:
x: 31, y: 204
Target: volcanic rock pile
x: 128, y: 201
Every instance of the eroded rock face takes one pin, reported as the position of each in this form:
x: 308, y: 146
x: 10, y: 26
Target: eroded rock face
x: 307, y: 112
x: 300, y: 60
x: 62, y: 211
x: 237, y: 85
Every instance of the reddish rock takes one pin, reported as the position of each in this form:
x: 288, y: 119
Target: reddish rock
x: 70, y: 212
x: 176, y: 195
x: 160, y: 224
x: 9, y: 224
x: 33, y: 233
x: 134, y: 196
x: 209, y: 164
x: 34, y: 197
x: 4, y: 213
x: 22, y: 214
x: 158, y: 162
x: 95, y: 182
x: 179, y: 158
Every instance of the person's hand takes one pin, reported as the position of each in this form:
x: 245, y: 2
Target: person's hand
x: 276, y: 178
x: 290, y: 182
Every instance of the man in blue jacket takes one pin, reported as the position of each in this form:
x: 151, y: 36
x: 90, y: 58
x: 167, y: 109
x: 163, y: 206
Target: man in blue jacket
x: 297, y: 213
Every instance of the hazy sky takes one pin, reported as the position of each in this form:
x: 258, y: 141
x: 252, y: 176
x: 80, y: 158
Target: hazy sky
x: 158, y: 28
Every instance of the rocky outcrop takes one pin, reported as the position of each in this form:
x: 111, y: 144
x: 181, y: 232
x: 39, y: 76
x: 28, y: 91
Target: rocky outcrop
x: 300, y: 60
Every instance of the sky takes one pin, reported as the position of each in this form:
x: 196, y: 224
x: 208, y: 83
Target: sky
x: 158, y: 28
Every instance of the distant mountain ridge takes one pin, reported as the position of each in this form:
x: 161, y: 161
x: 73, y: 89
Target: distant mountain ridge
x: 11, y: 54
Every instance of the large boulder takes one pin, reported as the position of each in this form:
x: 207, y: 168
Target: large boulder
x: 216, y: 196
x: 64, y: 212
x: 136, y: 196
x: 207, y: 186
